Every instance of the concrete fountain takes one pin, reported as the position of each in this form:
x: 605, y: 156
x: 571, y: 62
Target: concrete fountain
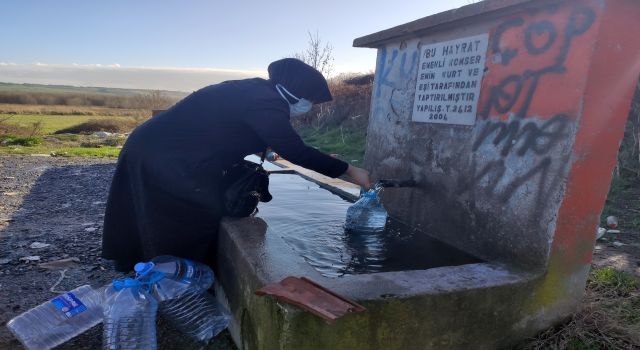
x: 509, y: 115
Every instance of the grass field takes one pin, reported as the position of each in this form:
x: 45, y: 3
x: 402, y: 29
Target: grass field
x: 20, y: 109
x: 51, y: 123
x: 347, y: 144
x: 104, y: 151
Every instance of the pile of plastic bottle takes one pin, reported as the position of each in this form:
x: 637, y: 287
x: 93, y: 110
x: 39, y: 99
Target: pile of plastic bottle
x: 175, y: 287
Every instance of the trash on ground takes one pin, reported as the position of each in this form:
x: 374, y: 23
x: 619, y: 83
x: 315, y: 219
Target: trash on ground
x: 600, y: 232
x: 38, y: 245
x: 30, y: 258
x: 60, y: 264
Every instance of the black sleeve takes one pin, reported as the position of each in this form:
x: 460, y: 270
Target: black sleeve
x: 273, y: 127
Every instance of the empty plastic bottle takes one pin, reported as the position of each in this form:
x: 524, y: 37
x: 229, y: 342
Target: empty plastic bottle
x: 58, y: 320
x: 196, y: 314
x: 179, y: 276
x: 367, y: 214
x: 129, y: 317
x: 180, y: 286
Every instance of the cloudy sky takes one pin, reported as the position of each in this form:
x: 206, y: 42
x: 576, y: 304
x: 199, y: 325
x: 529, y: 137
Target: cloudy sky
x: 184, y: 44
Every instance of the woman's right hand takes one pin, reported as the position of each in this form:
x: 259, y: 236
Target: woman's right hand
x: 359, y: 176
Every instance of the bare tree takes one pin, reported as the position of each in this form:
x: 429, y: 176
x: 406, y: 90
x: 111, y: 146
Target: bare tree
x: 318, y: 54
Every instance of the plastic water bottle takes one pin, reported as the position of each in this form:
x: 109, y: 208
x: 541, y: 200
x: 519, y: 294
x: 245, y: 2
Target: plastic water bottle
x: 367, y: 214
x: 129, y: 317
x: 196, y: 314
x: 58, y: 320
x: 177, y: 276
x: 180, y: 286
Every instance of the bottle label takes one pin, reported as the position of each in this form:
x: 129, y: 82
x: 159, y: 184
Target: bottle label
x: 69, y: 304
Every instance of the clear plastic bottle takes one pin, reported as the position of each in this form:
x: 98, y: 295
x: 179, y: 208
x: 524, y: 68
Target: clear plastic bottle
x: 367, y: 214
x: 58, y: 320
x: 196, y: 314
x: 181, y: 275
x: 180, y: 285
x: 129, y: 317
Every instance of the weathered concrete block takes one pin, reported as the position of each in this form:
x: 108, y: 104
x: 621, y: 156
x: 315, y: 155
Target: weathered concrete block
x: 473, y: 305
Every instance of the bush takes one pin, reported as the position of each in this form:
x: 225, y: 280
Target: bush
x: 117, y: 125
x: 67, y: 137
x: 349, y: 108
x: 113, y: 141
x: 26, y: 141
x: 90, y: 144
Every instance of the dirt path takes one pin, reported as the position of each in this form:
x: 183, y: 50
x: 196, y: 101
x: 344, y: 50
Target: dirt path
x: 61, y: 201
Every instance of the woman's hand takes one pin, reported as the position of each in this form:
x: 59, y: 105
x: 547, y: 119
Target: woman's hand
x: 359, y: 176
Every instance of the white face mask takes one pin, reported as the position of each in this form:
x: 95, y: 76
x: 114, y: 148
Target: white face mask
x: 302, y: 105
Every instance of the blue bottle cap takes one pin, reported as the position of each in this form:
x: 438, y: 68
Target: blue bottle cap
x: 143, y: 268
x: 370, y: 194
x: 125, y: 283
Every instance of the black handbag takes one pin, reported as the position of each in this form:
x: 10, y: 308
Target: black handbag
x: 246, y: 184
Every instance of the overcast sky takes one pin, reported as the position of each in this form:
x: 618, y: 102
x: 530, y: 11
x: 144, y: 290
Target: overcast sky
x: 184, y: 44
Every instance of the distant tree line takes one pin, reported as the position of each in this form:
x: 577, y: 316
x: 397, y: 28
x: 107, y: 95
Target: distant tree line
x: 151, y: 100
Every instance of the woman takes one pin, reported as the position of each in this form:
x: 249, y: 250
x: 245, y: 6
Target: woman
x: 166, y: 190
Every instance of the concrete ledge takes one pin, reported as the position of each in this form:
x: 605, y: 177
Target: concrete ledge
x: 252, y: 256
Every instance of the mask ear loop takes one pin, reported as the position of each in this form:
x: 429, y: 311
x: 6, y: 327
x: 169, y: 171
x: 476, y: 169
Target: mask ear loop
x: 279, y: 86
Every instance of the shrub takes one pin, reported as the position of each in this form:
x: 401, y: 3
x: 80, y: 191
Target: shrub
x: 26, y: 141
x: 119, y: 125
x: 113, y: 141
x: 90, y: 144
x: 350, y: 105
x: 67, y: 137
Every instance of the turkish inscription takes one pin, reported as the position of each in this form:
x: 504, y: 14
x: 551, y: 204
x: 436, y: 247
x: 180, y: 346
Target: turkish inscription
x: 448, y: 81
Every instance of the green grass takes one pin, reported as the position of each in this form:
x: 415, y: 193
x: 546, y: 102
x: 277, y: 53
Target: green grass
x: 104, y: 151
x: 615, y: 281
x: 608, y: 319
x: 583, y: 345
x: 52, y: 123
x: 348, y: 144
x: 10, y: 140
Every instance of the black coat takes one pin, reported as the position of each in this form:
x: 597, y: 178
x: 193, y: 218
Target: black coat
x: 165, y: 194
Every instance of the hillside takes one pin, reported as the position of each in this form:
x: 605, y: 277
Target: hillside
x: 64, y: 89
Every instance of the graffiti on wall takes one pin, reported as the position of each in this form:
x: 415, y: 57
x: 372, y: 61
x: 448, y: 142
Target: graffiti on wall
x: 529, y: 104
x: 404, y: 65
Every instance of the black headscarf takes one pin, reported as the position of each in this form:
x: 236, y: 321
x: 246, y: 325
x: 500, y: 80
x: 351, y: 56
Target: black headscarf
x: 300, y: 79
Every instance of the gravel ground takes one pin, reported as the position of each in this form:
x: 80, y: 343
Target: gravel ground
x: 59, y: 202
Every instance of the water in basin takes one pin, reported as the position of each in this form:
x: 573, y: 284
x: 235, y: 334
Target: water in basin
x: 311, y: 220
